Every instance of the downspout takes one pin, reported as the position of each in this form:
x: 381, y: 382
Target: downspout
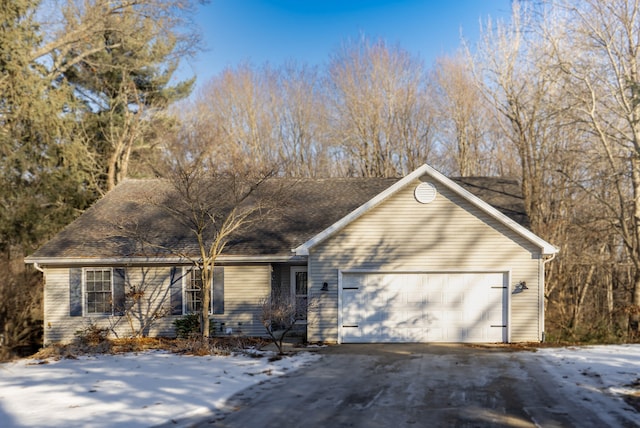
x: 544, y: 262
x: 44, y: 301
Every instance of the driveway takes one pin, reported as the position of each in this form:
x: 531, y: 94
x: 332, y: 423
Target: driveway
x: 410, y: 385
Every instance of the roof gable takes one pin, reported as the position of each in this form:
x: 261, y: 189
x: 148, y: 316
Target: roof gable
x: 546, y: 248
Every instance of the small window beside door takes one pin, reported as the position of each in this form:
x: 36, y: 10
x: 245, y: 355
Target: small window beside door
x: 299, y: 291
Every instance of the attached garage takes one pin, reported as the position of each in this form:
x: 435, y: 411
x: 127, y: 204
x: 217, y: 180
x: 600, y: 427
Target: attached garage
x: 430, y: 259
x: 423, y: 307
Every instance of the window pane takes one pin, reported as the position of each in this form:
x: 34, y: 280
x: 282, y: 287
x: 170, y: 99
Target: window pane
x: 193, y: 292
x: 98, y: 291
x: 301, y: 282
x: 193, y: 302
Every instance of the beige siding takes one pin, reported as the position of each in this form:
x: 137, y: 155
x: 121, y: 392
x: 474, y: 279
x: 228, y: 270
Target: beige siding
x: 244, y: 287
x: 58, y: 325
x: 149, y: 315
x: 448, y: 234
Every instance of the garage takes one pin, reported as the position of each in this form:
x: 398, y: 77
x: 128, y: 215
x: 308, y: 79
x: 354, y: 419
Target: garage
x: 423, y: 307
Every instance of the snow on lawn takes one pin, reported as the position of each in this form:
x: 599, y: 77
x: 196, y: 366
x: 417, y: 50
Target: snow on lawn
x: 133, y: 390
x: 605, y: 376
x: 151, y: 388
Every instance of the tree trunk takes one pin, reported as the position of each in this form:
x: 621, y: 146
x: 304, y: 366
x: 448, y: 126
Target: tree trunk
x: 577, y: 309
x: 207, y: 273
x: 634, y: 313
x: 634, y: 317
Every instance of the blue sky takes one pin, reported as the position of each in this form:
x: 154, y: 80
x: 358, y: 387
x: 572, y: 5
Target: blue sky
x: 309, y: 31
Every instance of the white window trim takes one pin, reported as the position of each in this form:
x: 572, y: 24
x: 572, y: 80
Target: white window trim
x: 186, y: 277
x: 85, y: 293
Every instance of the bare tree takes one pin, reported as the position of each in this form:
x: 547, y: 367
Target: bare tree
x: 243, y: 104
x: 143, y: 303
x: 279, y: 316
x: 563, y: 78
x: 461, y: 118
x: 214, y: 196
x: 520, y: 81
x: 378, y: 109
x: 521, y: 78
x: 214, y: 207
x: 598, y: 49
x: 305, y: 145
x: 281, y: 313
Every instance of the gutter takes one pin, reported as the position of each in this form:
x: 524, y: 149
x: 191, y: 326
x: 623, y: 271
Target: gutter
x: 38, y: 262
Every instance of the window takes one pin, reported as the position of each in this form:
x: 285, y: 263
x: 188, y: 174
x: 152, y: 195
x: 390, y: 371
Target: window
x: 192, y: 291
x: 99, y: 291
x: 299, y: 291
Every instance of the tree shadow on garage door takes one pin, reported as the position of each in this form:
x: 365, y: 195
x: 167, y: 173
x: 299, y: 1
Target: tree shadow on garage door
x: 381, y: 306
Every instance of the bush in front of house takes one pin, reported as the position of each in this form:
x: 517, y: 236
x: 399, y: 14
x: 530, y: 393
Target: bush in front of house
x: 189, y: 325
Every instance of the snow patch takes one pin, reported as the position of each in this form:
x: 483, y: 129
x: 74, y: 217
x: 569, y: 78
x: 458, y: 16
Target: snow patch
x: 133, y: 390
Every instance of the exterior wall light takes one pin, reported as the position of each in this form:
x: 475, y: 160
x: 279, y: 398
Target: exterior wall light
x: 520, y: 287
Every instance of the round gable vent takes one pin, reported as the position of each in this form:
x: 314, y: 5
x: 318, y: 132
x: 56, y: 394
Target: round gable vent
x: 425, y: 193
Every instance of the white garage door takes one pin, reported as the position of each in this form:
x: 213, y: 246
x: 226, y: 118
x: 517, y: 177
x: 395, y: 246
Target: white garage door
x: 423, y: 307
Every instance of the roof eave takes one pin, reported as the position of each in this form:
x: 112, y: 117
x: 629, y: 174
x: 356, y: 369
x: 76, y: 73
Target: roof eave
x: 93, y: 261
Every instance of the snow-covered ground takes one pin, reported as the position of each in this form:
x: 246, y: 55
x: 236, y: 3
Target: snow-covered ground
x: 150, y: 388
x: 598, y: 375
x: 132, y: 390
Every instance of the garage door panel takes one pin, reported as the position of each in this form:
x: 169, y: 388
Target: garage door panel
x: 354, y: 333
x: 434, y: 335
x: 433, y: 297
x: 351, y: 307
x: 424, y: 307
x: 453, y: 297
x: 411, y: 319
x: 452, y: 317
x: 433, y: 318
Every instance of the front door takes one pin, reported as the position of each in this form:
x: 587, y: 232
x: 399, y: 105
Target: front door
x: 299, y: 291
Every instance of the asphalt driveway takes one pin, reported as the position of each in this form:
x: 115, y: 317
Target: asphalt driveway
x: 405, y: 385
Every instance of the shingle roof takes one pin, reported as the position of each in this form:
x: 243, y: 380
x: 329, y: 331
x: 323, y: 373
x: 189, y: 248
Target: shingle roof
x: 125, y: 224
x: 503, y: 194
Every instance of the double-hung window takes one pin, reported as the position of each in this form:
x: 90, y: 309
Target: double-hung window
x: 193, y: 291
x: 186, y: 291
x: 98, y: 290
